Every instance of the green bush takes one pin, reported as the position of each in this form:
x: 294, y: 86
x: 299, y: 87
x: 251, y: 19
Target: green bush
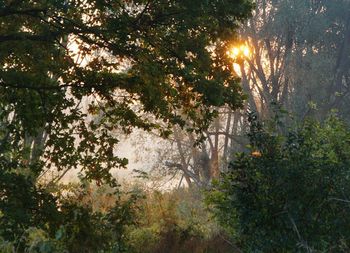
x: 291, y: 192
x: 176, y: 222
x: 79, y: 225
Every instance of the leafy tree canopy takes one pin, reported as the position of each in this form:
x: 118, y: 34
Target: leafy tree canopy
x: 142, y: 61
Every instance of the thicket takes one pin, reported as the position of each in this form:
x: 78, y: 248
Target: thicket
x: 177, y: 221
x: 77, y: 222
x: 101, y: 219
x: 290, y: 192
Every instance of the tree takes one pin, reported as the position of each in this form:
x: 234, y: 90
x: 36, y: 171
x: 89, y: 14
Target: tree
x: 145, y: 64
x: 197, y: 164
x: 299, y: 57
x: 290, y: 193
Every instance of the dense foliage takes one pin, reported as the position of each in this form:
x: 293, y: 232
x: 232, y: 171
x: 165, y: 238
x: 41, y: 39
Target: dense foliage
x: 291, y: 193
x: 80, y: 224
x: 176, y: 221
x: 130, y: 62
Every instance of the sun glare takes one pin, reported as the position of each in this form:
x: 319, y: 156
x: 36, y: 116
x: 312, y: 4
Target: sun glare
x: 239, y: 51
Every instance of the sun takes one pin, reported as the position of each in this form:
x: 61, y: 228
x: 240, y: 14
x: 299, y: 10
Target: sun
x: 239, y: 51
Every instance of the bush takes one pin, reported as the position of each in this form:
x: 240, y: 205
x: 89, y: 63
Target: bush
x: 176, y: 222
x: 290, y: 193
x: 80, y: 224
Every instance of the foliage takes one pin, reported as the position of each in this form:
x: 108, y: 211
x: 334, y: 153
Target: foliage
x: 290, y: 194
x: 169, y: 71
x: 77, y: 225
x: 175, y: 221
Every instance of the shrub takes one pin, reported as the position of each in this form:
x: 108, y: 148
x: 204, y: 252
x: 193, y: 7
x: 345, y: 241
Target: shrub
x: 176, y: 222
x: 80, y: 225
x: 291, y: 192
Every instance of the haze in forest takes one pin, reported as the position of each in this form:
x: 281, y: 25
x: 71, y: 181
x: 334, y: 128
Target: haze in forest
x: 165, y: 126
